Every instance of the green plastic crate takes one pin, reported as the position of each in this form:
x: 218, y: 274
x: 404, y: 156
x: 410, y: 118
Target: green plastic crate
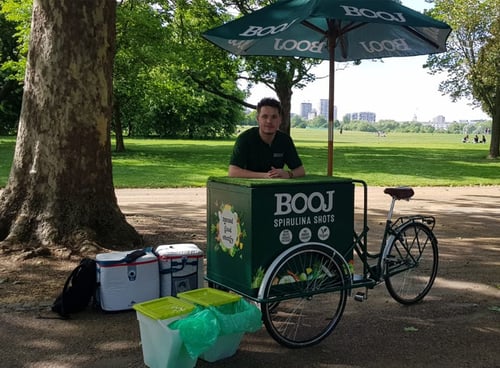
x: 164, y: 308
x: 208, y: 297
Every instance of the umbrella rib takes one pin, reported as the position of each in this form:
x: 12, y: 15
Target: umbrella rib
x: 337, y: 32
x: 350, y: 27
x: 421, y: 36
x: 313, y: 27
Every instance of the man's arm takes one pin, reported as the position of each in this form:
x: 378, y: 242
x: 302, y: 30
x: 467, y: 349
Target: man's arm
x: 298, y: 172
x: 238, y: 172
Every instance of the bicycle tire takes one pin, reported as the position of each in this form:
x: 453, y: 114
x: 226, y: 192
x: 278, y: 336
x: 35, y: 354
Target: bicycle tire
x: 307, y: 284
x: 411, y: 263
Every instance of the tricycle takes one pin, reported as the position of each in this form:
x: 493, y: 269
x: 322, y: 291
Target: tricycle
x: 289, y: 245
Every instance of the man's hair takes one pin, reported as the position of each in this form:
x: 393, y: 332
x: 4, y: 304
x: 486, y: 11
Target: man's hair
x: 272, y: 102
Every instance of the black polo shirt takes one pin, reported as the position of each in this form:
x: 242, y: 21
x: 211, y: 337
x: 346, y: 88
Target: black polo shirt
x: 252, y: 153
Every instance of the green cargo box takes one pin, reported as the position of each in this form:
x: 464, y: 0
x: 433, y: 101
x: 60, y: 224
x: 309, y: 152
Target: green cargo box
x: 251, y: 221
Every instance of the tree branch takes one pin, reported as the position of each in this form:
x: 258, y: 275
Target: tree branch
x: 207, y: 87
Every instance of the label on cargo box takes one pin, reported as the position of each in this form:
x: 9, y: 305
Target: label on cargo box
x: 229, y: 231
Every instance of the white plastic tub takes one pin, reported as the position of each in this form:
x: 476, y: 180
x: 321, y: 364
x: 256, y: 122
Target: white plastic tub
x: 162, y: 347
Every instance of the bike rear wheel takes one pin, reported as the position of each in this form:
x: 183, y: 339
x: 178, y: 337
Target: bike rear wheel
x: 411, y: 263
x: 307, y: 293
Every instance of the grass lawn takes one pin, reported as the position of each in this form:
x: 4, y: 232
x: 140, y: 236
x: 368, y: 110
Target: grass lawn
x: 397, y: 159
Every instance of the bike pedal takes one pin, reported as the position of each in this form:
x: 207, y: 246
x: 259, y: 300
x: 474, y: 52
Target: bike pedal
x: 360, y: 296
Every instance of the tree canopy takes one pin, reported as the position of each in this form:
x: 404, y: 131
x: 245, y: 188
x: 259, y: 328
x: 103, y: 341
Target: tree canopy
x: 159, y: 58
x: 159, y: 54
x: 472, y: 62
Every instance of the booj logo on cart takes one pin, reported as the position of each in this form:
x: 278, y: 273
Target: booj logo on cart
x: 304, y: 209
x: 302, y: 202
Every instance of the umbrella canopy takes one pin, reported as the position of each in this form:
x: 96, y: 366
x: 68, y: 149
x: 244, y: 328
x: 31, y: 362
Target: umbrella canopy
x: 335, y: 30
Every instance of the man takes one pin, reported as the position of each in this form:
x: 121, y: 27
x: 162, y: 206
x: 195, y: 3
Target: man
x: 263, y: 151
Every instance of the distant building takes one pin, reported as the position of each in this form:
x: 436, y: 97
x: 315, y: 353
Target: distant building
x: 439, y: 123
x: 311, y: 115
x: 323, y: 109
x: 305, y: 109
x: 367, y: 116
x: 440, y: 119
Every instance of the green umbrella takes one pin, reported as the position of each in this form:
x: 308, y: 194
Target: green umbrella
x: 335, y: 30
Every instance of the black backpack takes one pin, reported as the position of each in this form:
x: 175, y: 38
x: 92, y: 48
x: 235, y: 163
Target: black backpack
x: 78, y: 289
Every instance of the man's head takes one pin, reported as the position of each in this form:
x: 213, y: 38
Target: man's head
x: 271, y: 102
x: 268, y: 118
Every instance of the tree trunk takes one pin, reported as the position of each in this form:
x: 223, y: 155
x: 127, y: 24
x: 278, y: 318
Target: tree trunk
x: 283, y: 84
x: 285, y: 97
x: 120, y: 145
x: 60, y: 190
x: 286, y: 104
x: 495, y: 125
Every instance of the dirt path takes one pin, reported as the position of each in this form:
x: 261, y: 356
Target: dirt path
x: 458, y: 324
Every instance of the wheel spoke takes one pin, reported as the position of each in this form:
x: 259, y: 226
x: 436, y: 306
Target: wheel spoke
x: 310, y: 290
x: 411, y: 263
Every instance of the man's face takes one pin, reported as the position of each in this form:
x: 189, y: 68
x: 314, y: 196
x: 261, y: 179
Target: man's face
x: 269, y: 120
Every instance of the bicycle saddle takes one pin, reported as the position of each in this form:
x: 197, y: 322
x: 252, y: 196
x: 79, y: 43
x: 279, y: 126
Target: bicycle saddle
x: 400, y: 193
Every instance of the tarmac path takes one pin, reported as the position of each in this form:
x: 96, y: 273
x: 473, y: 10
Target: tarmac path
x: 457, y: 325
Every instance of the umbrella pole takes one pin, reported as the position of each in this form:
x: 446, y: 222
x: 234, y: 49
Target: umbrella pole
x: 331, y: 95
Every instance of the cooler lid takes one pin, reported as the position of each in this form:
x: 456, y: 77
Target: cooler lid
x: 254, y: 183
x: 106, y: 259
x: 208, y: 297
x: 184, y: 249
x: 164, y: 308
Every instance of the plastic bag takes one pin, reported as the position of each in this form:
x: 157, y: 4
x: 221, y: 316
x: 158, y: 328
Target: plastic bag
x: 238, y: 317
x: 199, y: 331
x: 201, y: 328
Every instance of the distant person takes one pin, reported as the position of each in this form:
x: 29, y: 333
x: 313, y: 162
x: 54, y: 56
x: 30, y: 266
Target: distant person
x: 263, y: 151
x: 465, y: 139
x: 483, y: 139
x: 476, y: 139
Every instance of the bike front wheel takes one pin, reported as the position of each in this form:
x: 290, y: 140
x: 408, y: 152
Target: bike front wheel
x: 411, y: 263
x: 307, y: 293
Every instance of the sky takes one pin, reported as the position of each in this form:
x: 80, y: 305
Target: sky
x: 394, y: 88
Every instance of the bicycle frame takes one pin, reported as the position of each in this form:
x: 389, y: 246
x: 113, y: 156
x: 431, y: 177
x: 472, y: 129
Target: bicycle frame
x: 373, y: 273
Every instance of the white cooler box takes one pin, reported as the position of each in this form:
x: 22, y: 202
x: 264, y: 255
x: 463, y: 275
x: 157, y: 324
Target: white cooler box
x: 181, y: 268
x: 125, y: 282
